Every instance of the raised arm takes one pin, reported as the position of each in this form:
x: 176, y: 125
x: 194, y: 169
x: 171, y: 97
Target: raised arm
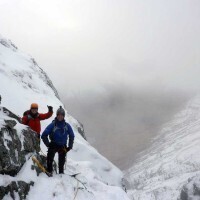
x: 47, y: 115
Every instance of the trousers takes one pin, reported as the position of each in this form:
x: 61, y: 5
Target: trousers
x: 61, y: 160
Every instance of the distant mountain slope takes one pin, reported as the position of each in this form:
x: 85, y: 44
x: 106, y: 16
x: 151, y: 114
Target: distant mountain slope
x: 174, y: 157
x: 23, y: 82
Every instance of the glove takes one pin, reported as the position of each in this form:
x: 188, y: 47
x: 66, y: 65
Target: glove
x: 68, y: 149
x: 64, y: 150
x: 50, y: 108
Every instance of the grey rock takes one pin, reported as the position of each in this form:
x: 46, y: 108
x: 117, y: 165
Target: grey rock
x: 16, y: 190
x: 81, y: 130
x: 31, y: 142
x: 10, y: 114
x: 13, y: 150
x: 10, y: 123
x: 191, y: 190
x: 8, y: 44
x: 184, y: 194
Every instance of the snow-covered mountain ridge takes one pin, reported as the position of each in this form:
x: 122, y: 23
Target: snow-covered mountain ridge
x: 23, y: 82
x: 172, y: 160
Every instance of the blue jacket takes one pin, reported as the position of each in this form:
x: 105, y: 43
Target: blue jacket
x: 58, y: 131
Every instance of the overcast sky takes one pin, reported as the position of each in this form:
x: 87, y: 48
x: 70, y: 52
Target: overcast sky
x: 83, y: 44
x: 132, y: 63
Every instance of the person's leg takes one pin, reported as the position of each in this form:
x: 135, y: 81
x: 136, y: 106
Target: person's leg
x: 61, y: 162
x: 50, y: 158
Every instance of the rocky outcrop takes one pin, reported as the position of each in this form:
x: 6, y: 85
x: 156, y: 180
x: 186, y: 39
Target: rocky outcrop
x: 10, y: 114
x: 8, y: 44
x: 16, y: 190
x: 15, y: 146
x: 191, y: 190
x: 80, y: 129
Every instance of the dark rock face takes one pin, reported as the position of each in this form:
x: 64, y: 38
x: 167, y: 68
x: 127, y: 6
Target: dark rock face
x: 31, y: 142
x: 16, y: 190
x: 10, y: 160
x: 80, y: 129
x: 184, y: 194
x: 10, y: 114
x: 13, y: 149
x: 16, y: 146
x: 191, y: 190
x: 8, y: 44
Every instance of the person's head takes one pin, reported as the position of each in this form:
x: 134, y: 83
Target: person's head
x: 34, y: 108
x: 60, y: 114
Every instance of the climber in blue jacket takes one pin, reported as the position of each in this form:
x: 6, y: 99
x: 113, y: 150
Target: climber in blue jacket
x: 58, y: 132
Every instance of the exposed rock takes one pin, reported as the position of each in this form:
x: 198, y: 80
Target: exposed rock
x: 125, y: 184
x: 80, y: 129
x: 10, y: 123
x: 10, y: 114
x: 191, y: 190
x: 184, y: 194
x: 31, y: 141
x: 15, y: 146
x: 8, y: 44
x: 16, y: 190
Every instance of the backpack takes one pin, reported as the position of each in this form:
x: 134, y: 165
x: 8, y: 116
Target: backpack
x: 56, y: 128
x: 27, y: 113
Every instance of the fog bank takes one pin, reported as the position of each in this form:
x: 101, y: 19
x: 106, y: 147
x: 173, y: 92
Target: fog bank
x: 120, y: 121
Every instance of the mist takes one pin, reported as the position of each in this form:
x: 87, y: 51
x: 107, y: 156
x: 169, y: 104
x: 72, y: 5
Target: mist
x: 122, y: 68
x: 121, y: 121
x: 83, y: 44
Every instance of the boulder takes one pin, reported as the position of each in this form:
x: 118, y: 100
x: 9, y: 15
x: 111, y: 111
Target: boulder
x: 81, y: 130
x: 16, y: 190
x: 191, y: 190
x: 15, y: 146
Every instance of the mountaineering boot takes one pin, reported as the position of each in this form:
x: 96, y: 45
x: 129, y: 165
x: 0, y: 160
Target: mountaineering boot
x: 41, y: 167
x: 50, y: 174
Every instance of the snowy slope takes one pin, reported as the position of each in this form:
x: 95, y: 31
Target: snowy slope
x: 174, y: 157
x: 23, y: 82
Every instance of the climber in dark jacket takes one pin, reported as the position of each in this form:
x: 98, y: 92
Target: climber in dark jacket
x: 58, y: 132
